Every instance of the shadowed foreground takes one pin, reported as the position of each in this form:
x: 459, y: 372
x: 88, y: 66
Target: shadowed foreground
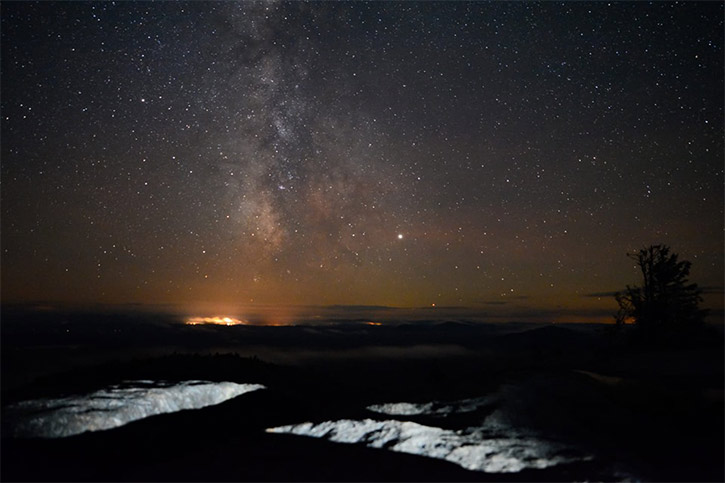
x: 610, y: 411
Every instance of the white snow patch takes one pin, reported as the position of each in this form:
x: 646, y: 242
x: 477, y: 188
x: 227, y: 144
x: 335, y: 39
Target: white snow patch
x: 402, y: 409
x: 473, y: 449
x: 116, y: 406
x: 432, y: 408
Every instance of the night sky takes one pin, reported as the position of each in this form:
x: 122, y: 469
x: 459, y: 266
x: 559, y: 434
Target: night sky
x: 498, y: 157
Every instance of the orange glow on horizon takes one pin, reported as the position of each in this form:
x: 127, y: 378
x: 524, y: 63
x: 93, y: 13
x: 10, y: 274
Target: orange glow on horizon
x: 373, y: 323
x: 214, y: 321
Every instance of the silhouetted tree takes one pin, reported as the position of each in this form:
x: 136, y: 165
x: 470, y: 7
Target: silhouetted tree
x: 666, y: 303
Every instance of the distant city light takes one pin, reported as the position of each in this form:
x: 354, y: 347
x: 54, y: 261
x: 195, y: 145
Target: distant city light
x: 214, y: 321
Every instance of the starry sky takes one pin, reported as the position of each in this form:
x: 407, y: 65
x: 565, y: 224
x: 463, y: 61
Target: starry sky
x: 501, y: 158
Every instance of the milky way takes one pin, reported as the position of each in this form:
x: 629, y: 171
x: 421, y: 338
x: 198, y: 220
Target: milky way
x: 502, y: 157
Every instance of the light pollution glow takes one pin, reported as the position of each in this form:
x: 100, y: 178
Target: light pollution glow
x: 214, y: 321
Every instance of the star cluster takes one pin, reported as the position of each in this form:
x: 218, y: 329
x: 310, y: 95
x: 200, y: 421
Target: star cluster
x: 498, y: 156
